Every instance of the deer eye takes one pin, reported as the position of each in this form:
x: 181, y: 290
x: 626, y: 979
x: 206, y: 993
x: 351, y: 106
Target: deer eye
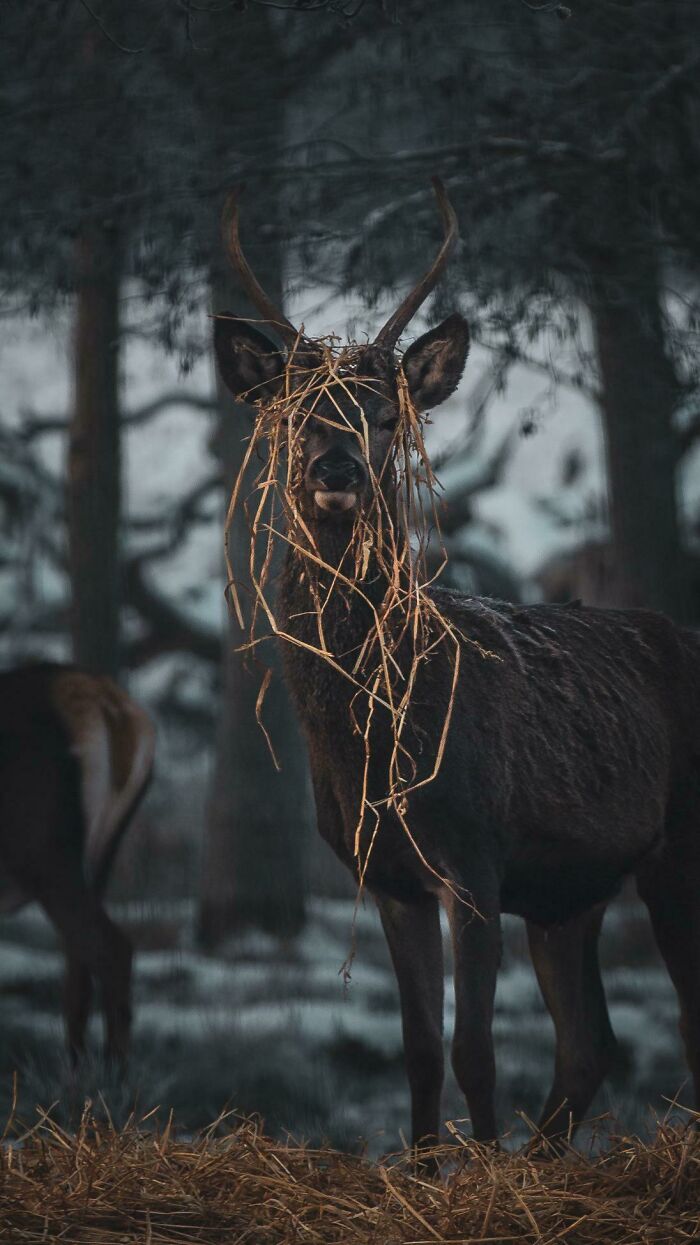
x: 389, y: 423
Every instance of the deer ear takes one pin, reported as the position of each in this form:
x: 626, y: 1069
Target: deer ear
x: 251, y: 366
x: 434, y: 363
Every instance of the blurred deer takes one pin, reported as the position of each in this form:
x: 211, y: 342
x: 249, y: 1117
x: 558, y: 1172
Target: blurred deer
x: 572, y: 758
x: 76, y: 755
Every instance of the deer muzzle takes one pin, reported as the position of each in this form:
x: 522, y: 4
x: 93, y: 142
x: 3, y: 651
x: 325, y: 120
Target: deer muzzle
x: 334, y: 503
x: 335, y: 480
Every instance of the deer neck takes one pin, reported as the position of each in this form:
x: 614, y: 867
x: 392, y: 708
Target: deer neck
x: 319, y: 610
x: 348, y: 611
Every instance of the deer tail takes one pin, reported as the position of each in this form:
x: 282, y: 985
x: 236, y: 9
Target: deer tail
x: 113, y: 739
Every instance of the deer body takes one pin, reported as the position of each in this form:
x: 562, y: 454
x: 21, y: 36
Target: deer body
x: 75, y: 758
x: 562, y: 764
x: 571, y: 762
x: 572, y: 758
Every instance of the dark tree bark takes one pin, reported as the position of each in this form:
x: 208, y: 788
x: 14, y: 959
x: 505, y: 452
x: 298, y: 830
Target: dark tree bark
x: 94, y: 459
x: 639, y: 392
x: 258, y: 819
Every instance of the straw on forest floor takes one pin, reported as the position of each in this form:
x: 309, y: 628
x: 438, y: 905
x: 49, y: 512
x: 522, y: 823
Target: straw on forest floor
x: 104, y: 1187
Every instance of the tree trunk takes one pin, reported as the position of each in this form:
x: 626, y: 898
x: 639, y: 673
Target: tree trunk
x: 258, y: 819
x: 639, y: 392
x: 94, y: 460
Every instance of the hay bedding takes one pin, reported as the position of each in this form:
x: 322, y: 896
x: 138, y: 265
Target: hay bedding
x: 104, y: 1187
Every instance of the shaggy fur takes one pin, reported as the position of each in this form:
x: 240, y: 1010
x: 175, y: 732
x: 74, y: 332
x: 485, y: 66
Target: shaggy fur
x: 569, y: 757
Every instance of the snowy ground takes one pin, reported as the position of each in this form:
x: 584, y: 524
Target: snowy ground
x: 276, y: 1031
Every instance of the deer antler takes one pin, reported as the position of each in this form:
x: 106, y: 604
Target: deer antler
x: 392, y: 330
x: 252, y: 287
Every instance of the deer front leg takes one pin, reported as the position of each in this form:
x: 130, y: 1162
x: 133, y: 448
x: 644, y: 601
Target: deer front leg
x: 329, y: 814
x: 413, y: 934
x: 476, y: 943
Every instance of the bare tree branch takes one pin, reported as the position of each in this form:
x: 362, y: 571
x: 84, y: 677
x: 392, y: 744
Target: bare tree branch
x: 35, y: 426
x: 178, y: 520
x: 169, y: 630
x: 456, y: 510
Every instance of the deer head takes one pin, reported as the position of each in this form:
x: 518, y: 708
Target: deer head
x: 351, y: 423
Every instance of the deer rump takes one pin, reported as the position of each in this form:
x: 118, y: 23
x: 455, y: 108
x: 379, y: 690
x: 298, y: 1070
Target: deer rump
x: 108, y: 742
x: 572, y: 755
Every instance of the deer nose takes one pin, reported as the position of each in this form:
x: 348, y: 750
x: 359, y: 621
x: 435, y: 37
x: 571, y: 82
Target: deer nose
x: 337, y: 472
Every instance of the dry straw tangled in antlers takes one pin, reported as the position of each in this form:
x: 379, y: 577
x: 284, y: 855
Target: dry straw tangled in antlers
x: 388, y: 541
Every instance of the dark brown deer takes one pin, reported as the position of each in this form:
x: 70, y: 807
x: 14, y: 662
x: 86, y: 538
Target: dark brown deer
x: 76, y: 755
x: 572, y: 759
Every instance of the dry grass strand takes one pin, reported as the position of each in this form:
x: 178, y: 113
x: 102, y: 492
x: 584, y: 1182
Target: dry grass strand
x: 233, y: 1184
x: 393, y: 542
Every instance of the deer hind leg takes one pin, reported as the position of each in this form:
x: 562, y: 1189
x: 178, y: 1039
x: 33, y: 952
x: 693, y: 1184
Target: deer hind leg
x: 113, y: 973
x: 77, y: 997
x: 566, y: 963
x: 96, y: 950
x: 672, y: 896
x: 413, y: 933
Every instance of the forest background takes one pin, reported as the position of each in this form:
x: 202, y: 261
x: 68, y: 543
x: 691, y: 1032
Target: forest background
x: 567, y: 137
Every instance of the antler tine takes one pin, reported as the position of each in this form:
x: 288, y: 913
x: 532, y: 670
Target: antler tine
x: 392, y: 330
x: 252, y: 287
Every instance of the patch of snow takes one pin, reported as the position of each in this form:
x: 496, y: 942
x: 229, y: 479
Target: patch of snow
x: 27, y: 965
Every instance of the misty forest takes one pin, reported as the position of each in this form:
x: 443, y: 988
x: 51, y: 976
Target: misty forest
x: 162, y: 777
